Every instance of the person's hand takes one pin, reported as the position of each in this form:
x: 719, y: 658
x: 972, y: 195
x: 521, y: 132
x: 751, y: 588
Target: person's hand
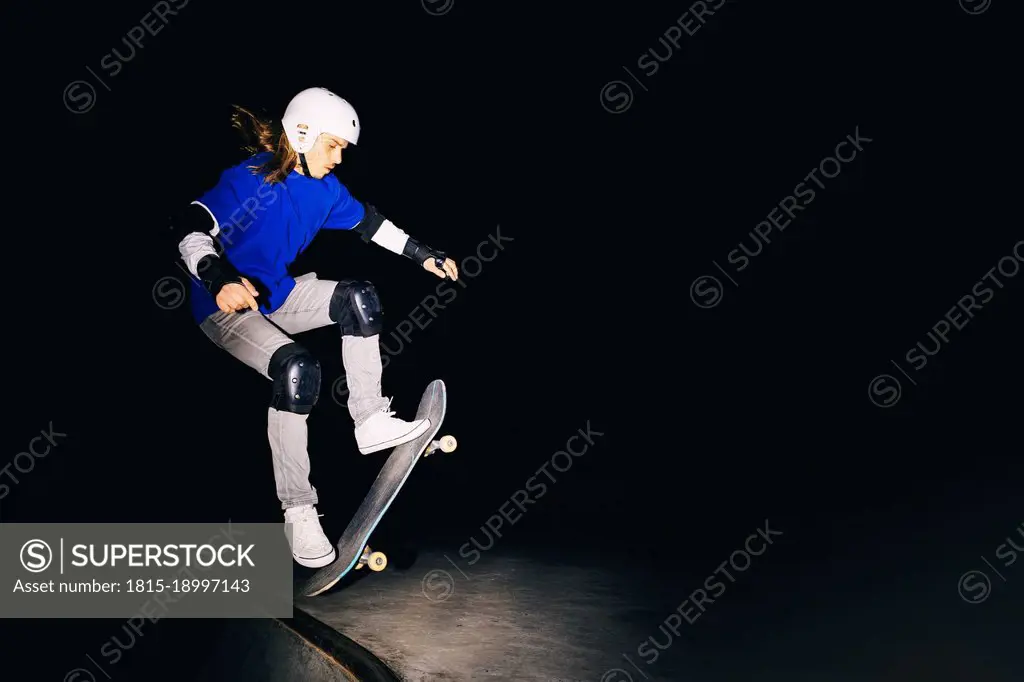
x: 449, y: 268
x: 234, y: 296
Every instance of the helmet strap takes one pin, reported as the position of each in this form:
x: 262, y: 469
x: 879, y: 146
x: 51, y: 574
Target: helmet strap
x: 305, y: 168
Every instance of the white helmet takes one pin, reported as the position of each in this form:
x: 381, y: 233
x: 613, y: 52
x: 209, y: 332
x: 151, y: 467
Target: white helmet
x: 318, y: 110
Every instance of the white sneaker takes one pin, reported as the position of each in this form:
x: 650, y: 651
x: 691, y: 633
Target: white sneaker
x: 310, y: 547
x: 382, y: 431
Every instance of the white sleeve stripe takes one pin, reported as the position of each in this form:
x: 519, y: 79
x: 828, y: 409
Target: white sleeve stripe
x: 193, y: 247
x: 216, y: 225
x: 390, y: 237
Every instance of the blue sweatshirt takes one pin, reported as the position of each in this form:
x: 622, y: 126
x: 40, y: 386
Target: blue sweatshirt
x: 263, y: 227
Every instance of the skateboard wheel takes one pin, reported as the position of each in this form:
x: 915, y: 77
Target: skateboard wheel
x: 448, y: 443
x: 377, y: 561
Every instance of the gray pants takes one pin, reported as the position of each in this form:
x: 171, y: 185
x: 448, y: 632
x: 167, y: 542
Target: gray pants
x: 252, y: 337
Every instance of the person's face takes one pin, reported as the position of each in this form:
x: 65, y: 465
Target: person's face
x: 324, y: 156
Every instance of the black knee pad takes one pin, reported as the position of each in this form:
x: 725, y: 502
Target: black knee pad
x: 296, y: 375
x: 355, y: 306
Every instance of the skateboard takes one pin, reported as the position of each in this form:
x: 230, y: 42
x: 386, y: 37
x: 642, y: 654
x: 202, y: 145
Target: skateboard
x: 353, y: 551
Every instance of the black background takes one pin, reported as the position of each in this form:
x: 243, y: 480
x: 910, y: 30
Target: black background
x: 490, y: 115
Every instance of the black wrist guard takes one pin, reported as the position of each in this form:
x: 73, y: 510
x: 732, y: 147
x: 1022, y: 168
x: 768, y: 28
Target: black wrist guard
x: 421, y: 252
x: 215, y: 272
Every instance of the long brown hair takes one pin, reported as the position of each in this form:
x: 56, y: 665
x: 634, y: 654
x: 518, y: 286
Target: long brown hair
x: 262, y: 134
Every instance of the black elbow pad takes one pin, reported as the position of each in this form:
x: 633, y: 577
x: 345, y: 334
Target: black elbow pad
x: 189, y: 219
x: 371, y: 222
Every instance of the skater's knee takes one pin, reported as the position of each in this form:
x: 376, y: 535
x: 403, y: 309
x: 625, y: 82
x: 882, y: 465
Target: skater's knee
x: 355, y: 306
x: 296, y: 376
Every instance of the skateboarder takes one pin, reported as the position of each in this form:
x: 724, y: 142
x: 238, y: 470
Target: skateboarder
x: 238, y: 239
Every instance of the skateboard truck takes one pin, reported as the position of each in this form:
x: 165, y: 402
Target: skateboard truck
x: 444, y: 444
x: 375, y: 560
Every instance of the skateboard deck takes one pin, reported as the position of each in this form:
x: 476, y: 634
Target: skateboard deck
x: 353, y: 552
